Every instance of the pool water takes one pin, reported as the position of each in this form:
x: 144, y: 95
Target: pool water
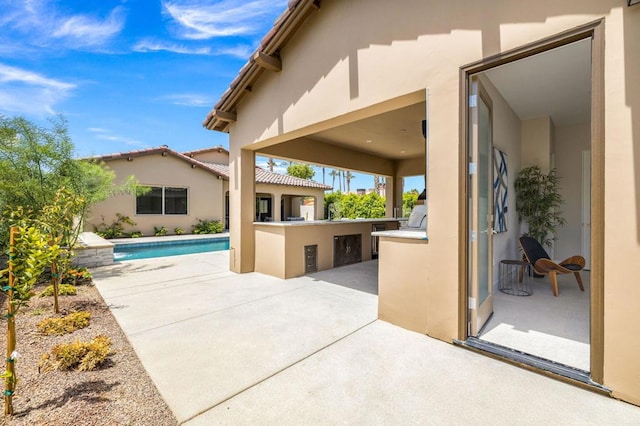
x: 168, y: 248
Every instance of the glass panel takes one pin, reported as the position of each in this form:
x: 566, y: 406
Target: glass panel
x: 151, y: 202
x: 484, y: 198
x: 175, y: 201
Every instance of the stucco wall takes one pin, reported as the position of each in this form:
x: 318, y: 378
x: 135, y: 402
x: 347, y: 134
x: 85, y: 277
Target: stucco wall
x: 204, y: 193
x: 570, y: 141
x: 277, y: 191
x: 334, y: 68
x: 217, y: 157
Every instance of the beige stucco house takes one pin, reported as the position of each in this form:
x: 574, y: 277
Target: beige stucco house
x: 194, y: 185
x: 549, y: 83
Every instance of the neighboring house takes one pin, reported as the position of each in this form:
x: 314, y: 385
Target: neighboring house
x: 360, y: 85
x: 191, y: 186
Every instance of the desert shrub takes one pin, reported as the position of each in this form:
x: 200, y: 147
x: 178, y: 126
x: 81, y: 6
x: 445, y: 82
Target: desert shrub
x: 83, y: 356
x: 159, y: 231
x: 208, y: 227
x: 68, y: 324
x: 116, y: 229
x: 63, y: 290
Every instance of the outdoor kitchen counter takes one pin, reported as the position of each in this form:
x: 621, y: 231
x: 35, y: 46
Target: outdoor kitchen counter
x: 291, y: 249
x: 325, y: 222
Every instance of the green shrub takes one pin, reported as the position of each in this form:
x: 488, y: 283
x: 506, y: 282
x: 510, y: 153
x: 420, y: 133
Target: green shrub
x: 135, y: 234
x: 116, y: 229
x: 63, y: 290
x: 178, y: 231
x: 67, y: 324
x: 208, y: 227
x: 159, y: 231
x: 84, y: 356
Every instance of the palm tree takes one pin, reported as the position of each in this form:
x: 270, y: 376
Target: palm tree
x: 271, y: 163
x: 376, y: 184
x: 347, y: 177
x: 333, y: 174
x: 323, y: 176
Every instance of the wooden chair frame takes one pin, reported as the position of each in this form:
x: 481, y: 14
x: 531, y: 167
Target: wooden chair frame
x: 546, y: 266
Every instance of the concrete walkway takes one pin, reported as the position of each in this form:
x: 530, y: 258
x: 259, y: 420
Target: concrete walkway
x: 252, y: 349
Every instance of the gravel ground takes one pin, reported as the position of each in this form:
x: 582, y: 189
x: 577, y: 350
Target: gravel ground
x: 118, y: 393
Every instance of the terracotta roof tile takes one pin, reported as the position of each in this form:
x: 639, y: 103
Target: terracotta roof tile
x: 267, y: 177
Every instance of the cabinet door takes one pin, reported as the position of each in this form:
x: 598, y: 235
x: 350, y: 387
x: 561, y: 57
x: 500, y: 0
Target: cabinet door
x: 347, y: 249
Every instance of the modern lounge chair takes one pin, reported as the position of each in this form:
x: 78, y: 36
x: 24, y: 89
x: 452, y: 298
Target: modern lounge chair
x: 537, y: 256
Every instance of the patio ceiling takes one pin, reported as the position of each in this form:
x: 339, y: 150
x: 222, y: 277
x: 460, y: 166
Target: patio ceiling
x: 394, y: 135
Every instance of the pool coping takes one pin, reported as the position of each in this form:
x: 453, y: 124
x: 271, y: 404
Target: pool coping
x: 167, y: 238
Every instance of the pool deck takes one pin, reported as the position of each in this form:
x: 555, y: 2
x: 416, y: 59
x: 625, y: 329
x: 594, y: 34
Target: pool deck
x: 167, y: 238
x: 232, y: 349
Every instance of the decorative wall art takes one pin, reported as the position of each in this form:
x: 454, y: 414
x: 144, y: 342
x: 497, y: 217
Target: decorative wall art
x: 500, y: 182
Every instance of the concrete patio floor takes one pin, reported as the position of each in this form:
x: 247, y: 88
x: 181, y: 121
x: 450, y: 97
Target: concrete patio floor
x: 224, y: 348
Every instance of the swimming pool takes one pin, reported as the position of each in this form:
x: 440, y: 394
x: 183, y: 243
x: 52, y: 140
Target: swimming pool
x: 134, y: 251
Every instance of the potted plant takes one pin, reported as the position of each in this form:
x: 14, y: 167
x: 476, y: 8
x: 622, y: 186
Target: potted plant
x: 538, y: 201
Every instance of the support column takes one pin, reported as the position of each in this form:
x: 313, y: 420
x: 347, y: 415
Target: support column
x: 390, y: 196
x: 318, y: 207
x: 394, y: 195
x: 242, y: 201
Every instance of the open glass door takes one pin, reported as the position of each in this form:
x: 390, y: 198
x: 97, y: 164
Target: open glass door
x: 480, y: 208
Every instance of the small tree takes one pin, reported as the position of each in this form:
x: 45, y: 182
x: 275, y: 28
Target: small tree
x: 538, y: 201
x: 57, y: 220
x: 29, y: 254
x: 36, y: 162
x: 302, y: 171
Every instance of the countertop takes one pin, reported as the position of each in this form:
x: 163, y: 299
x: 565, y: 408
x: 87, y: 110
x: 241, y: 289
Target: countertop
x: 406, y: 233
x: 325, y: 222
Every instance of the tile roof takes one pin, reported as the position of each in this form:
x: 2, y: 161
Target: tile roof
x: 218, y: 148
x: 267, y: 177
x: 222, y: 170
x: 163, y: 150
x: 283, y: 29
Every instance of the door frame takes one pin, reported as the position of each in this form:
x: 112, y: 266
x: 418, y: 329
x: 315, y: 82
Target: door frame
x: 594, y: 31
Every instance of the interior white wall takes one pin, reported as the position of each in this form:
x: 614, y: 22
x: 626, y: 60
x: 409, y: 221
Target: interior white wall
x: 570, y: 141
x: 537, y: 143
x: 506, y: 137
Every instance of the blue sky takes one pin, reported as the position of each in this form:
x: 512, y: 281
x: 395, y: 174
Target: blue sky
x: 129, y: 74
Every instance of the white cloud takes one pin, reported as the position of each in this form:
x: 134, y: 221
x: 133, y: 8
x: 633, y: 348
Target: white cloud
x: 190, y: 99
x: 151, y: 46
x: 106, y: 135
x: 40, y: 23
x: 241, y: 51
x: 222, y: 18
x: 29, y: 92
x: 81, y: 30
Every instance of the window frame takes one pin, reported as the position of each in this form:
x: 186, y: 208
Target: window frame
x: 163, y: 200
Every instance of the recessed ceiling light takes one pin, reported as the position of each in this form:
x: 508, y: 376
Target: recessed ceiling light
x: 368, y: 141
x: 403, y: 152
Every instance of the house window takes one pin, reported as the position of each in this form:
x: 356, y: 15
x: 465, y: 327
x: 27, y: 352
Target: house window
x: 162, y: 200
